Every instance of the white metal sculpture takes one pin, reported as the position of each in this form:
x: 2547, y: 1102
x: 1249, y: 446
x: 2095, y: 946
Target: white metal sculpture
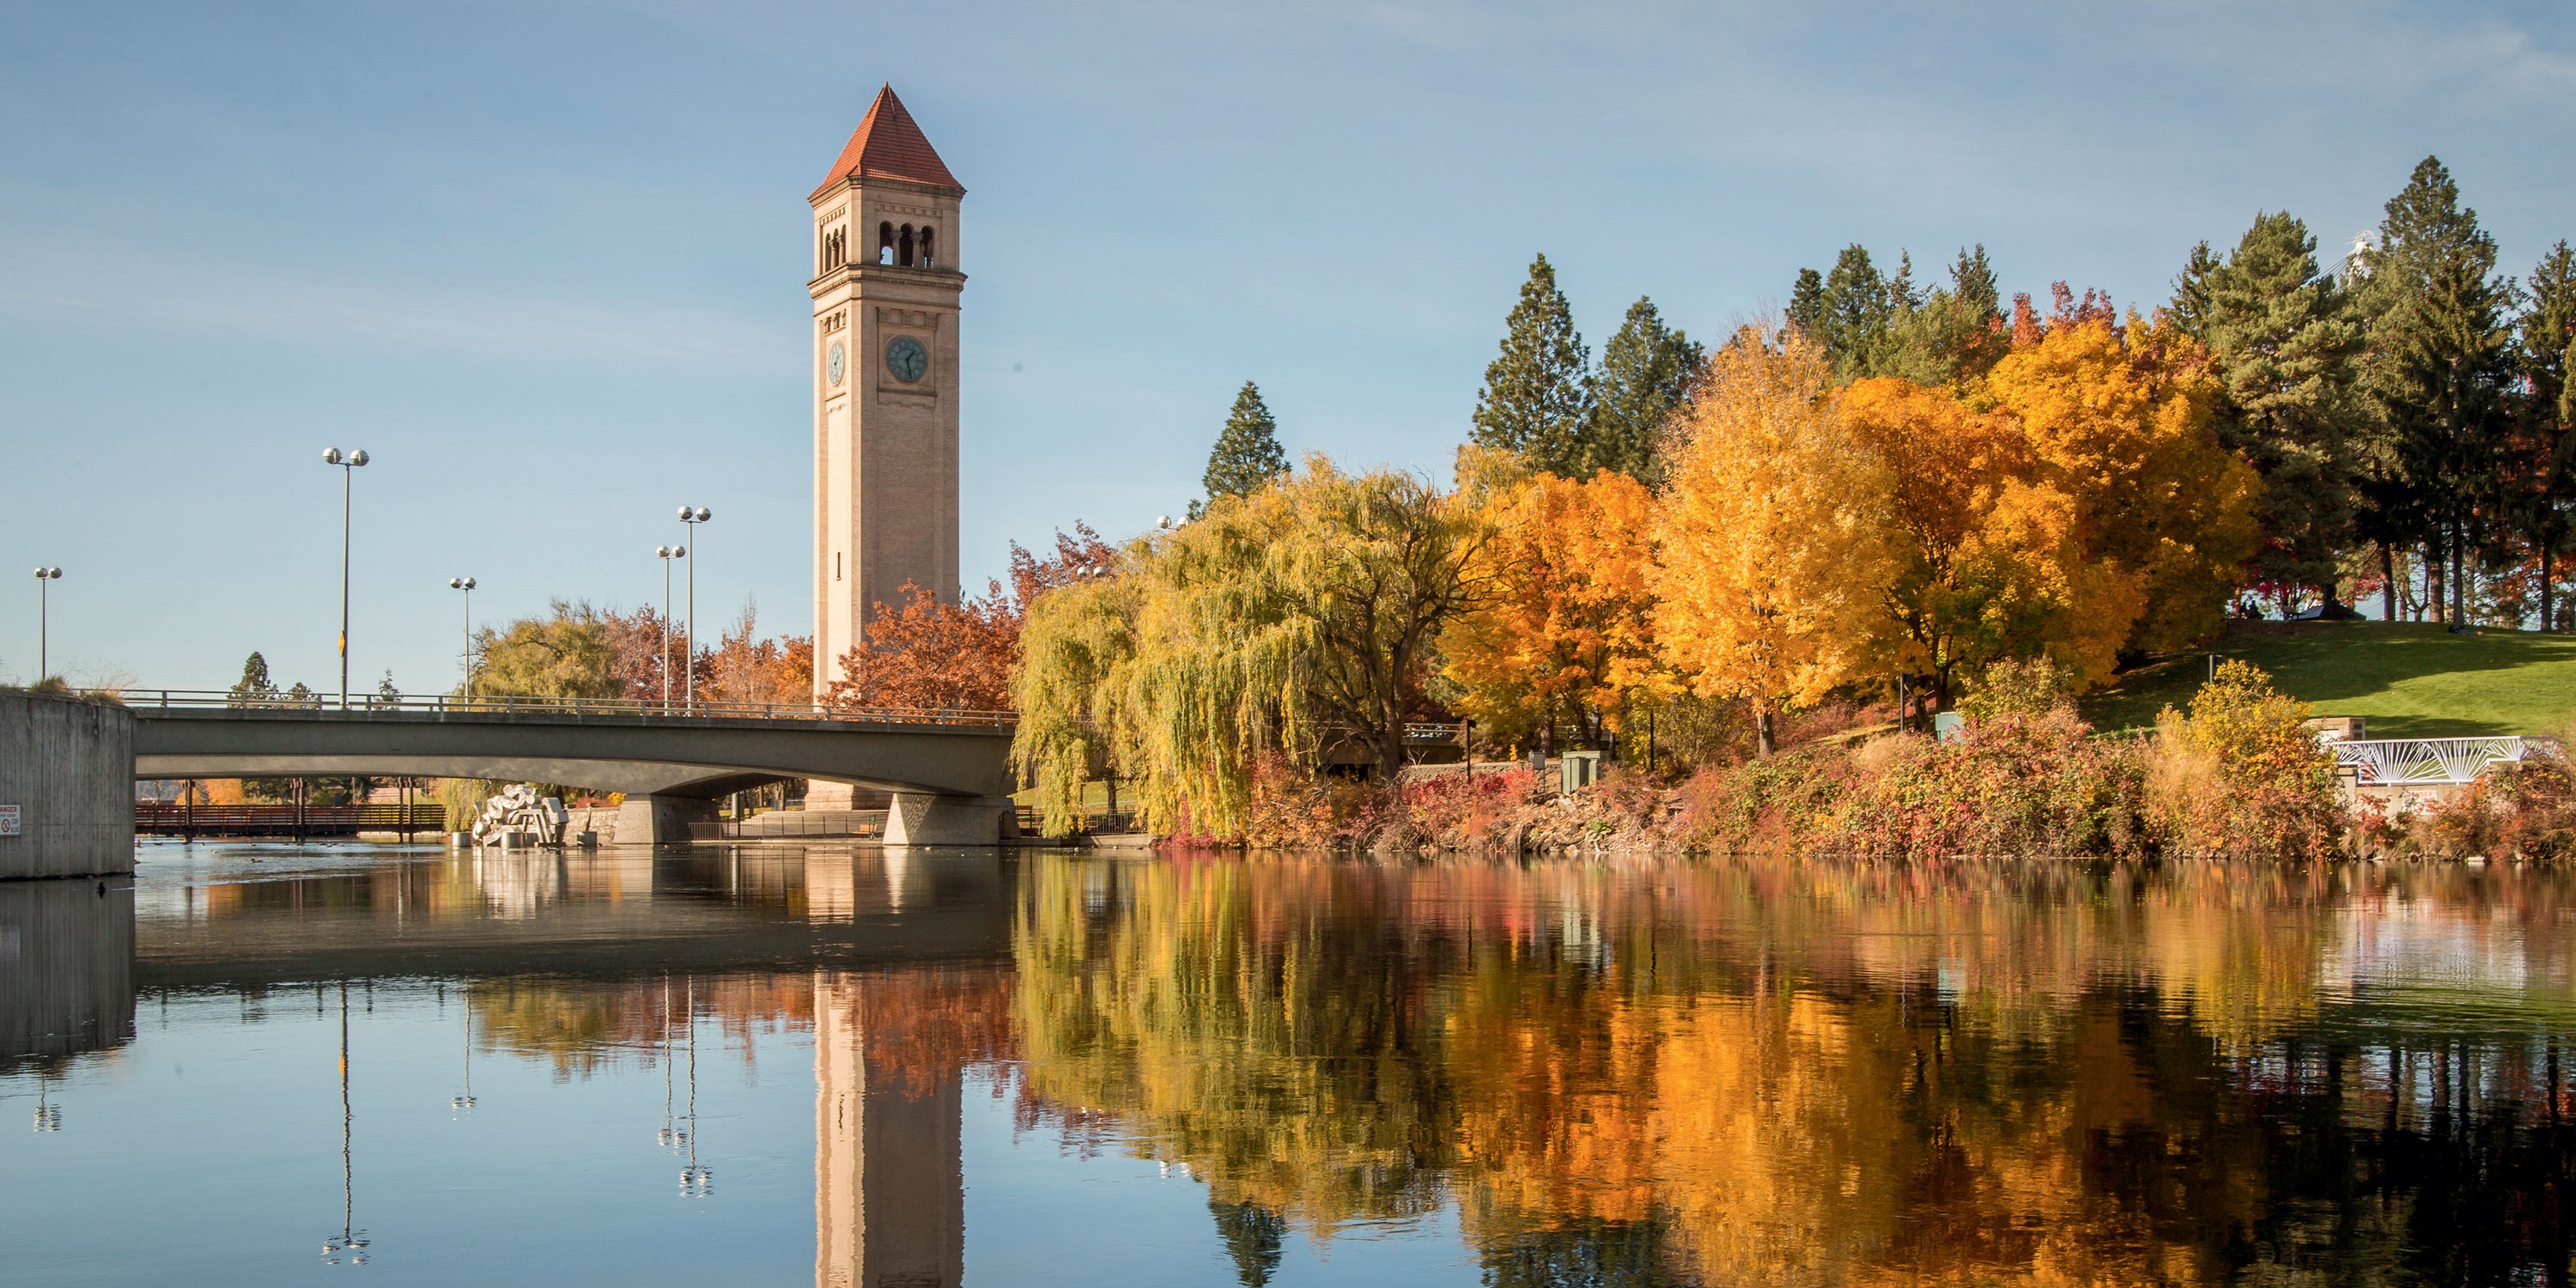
x: 2391, y: 762
x: 518, y: 816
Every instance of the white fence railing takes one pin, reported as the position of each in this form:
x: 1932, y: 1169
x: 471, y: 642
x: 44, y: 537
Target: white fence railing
x: 450, y: 704
x: 2391, y: 762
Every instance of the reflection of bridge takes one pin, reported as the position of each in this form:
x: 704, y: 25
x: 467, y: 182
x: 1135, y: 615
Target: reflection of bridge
x: 615, y: 914
x: 948, y: 770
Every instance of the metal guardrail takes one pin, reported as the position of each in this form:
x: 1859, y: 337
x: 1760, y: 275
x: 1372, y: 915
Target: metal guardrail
x: 481, y: 704
x: 2388, y: 762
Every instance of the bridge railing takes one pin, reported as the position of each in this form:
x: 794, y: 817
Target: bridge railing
x: 175, y: 818
x: 494, y: 704
x: 2389, y: 762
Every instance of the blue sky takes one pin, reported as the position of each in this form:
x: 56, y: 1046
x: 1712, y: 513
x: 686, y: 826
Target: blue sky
x: 545, y: 261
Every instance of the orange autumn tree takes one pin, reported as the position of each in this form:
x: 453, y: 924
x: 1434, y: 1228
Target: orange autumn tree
x: 962, y: 657
x: 2117, y: 418
x: 924, y: 654
x: 1562, y: 630
x: 1773, y: 540
x: 744, y: 668
x: 1984, y: 560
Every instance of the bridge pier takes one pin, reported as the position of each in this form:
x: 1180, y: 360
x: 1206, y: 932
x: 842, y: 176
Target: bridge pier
x: 660, y: 820
x: 919, y: 818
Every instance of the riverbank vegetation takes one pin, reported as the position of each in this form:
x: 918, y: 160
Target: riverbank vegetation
x: 1719, y: 564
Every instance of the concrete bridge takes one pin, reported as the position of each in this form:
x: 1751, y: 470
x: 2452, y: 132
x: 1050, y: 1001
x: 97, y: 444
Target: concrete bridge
x: 948, y: 770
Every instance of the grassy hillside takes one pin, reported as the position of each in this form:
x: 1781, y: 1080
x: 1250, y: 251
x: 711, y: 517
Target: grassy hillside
x: 2410, y: 681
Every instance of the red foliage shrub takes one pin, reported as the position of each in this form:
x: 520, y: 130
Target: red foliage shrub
x: 2525, y: 811
x: 2016, y: 786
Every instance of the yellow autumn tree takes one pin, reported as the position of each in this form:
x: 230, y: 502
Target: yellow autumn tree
x: 1562, y: 630
x: 2117, y: 417
x: 1774, y: 545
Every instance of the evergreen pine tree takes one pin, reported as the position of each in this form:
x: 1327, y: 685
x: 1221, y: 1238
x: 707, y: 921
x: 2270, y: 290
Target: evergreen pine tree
x: 1646, y: 374
x: 1807, y: 304
x: 2546, y: 441
x: 1858, y: 306
x: 1948, y: 337
x: 2549, y: 326
x: 2190, y: 307
x: 1246, y: 456
x: 2443, y: 366
x: 1253, y: 1235
x: 2285, y: 344
x: 254, y: 688
x: 1537, y: 398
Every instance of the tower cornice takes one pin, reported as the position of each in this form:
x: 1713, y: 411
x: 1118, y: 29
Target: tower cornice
x: 890, y: 274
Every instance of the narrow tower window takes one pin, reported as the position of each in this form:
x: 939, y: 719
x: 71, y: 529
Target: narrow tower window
x: 905, y: 258
x: 885, y: 243
x: 926, y: 260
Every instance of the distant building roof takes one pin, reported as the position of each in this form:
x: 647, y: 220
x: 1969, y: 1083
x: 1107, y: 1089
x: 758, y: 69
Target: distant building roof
x: 888, y: 145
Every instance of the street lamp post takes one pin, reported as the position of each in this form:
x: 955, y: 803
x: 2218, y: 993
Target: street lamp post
x: 45, y: 577
x: 348, y: 470
x: 689, y: 660
x: 466, y: 584
x: 667, y: 554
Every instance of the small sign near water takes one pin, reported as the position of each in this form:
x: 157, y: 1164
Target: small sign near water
x: 8, y: 820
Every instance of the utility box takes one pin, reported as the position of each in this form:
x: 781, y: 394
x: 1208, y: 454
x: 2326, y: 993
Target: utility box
x: 1949, y: 726
x: 1577, y: 770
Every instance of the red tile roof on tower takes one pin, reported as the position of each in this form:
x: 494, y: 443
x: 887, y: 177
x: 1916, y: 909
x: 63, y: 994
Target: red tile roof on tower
x: 889, y: 146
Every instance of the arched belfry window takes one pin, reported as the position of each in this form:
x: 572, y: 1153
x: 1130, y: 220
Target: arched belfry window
x: 904, y: 255
x: 885, y: 243
x: 927, y: 260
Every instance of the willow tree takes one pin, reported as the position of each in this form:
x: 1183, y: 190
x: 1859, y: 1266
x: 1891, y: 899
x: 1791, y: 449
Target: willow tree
x: 1283, y: 622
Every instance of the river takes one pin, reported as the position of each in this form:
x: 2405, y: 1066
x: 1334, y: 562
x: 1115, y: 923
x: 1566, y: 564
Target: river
x: 253, y: 1064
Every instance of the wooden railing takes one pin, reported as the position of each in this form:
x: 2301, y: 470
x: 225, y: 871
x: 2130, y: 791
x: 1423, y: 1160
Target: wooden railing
x: 171, y: 818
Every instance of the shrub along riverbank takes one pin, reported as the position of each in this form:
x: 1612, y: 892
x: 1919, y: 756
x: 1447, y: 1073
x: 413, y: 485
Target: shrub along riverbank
x: 2234, y: 775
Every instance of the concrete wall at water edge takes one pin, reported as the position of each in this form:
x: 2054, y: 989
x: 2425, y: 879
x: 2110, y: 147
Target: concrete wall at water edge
x: 67, y: 766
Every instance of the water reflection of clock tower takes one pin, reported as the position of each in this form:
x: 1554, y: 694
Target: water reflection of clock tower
x: 885, y: 291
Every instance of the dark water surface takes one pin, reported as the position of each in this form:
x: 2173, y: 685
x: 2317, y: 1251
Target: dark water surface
x: 257, y: 1065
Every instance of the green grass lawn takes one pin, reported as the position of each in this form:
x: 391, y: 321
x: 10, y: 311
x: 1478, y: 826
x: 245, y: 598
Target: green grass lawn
x: 2409, y: 681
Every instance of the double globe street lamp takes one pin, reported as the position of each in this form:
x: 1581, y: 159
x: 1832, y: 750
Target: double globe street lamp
x: 466, y: 584
x: 667, y: 554
x: 689, y: 642
x: 45, y: 577
x: 348, y: 470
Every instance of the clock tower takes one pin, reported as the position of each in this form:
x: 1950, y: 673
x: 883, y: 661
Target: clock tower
x: 885, y: 291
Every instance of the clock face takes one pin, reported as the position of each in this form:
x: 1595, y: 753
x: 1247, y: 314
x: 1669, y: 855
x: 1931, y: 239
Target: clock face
x: 832, y: 362
x: 906, y: 358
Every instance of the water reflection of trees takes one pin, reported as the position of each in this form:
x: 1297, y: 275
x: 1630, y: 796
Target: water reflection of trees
x: 584, y: 1026
x: 1831, y: 1075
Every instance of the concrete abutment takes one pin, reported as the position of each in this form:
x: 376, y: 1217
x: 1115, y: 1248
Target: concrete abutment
x: 67, y: 766
x: 918, y: 818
